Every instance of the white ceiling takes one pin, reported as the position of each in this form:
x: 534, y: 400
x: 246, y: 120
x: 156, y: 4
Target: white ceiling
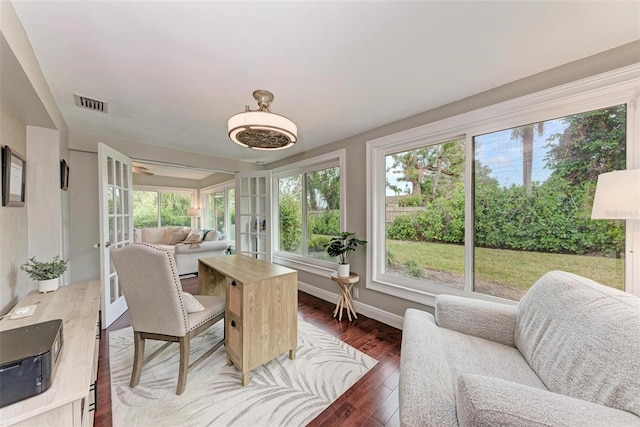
x: 173, y: 72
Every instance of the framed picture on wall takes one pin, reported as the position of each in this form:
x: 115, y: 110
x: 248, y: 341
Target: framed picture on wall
x: 14, y: 176
x: 64, y: 175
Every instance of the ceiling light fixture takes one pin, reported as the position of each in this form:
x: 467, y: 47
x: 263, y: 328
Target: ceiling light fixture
x: 261, y: 129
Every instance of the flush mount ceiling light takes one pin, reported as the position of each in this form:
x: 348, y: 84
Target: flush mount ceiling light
x: 261, y: 129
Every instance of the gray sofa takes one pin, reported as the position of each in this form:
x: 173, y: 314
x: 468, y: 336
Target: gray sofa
x: 186, y: 244
x: 567, y: 355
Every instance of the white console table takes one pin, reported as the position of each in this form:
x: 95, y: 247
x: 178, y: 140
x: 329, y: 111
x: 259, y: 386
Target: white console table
x: 69, y: 400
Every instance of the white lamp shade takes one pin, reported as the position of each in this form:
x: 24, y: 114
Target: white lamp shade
x: 617, y: 195
x: 195, y: 213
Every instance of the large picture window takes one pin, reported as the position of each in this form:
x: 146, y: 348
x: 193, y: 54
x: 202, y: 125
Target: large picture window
x: 161, y: 207
x: 533, y: 192
x: 424, y: 213
x: 308, y: 209
x: 487, y: 202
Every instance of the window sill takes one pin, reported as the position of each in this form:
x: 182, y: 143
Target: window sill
x: 303, y: 264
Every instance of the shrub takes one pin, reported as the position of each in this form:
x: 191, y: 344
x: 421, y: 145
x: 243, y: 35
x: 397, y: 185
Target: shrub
x: 414, y: 268
x: 403, y: 227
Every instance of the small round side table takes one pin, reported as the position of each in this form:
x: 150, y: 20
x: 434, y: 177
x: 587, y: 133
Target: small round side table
x: 344, y: 298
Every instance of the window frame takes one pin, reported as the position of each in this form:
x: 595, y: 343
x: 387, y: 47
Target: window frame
x: 223, y: 187
x: 612, y: 88
x: 158, y: 189
x: 332, y: 159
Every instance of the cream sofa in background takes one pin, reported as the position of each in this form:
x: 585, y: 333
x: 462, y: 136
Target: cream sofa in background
x: 567, y: 355
x: 186, y: 244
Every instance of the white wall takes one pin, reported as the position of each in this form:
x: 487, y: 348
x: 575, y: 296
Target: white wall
x: 32, y: 121
x: 85, y: 230
x: 14, y: 221
x: 43, y: 193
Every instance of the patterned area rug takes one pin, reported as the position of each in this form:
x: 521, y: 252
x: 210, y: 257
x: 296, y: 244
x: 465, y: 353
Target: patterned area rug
x: 283, y: 392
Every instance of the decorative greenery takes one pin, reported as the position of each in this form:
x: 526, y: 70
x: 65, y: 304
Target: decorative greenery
x: 38, y: 270
x: 342, y: 245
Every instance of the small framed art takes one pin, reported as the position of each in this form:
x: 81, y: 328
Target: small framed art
x: 64, y: 175
x: 14, y: 176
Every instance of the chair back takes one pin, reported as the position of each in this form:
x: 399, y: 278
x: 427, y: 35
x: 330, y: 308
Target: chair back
x: 149, y: 280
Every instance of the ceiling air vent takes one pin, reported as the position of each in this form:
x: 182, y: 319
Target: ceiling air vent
x: 91, y: 104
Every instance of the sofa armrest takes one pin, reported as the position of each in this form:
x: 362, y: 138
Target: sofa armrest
x: 206, y: 246
x: 484, y: 319
x: 488, y: 401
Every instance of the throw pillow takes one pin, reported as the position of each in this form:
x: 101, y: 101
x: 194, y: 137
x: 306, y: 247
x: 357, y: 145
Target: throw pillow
x: 168, y: 232
x: 191, y: 304
x: 194, y: 236
x: 212, y: 235
x: 177, y: 237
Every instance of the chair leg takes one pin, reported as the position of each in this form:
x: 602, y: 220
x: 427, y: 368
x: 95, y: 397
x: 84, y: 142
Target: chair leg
x: 138, y: 358
x: 184, y: 363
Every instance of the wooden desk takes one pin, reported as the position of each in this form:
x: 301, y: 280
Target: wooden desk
x: 67, y: 402
x: 344, y: 299
x: 261, y: 320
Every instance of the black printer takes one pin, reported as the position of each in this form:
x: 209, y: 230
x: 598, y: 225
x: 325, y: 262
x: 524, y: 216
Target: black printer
x: 28, y: 359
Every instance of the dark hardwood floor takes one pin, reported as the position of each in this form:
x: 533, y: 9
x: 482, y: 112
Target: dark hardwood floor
x: 372, y: 401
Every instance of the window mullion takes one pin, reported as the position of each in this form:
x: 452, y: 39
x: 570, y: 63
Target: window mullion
x: 305, y: 231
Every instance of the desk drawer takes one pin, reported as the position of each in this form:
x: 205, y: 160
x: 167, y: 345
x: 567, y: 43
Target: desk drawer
x: 234, y: 337
x: 234, y: 297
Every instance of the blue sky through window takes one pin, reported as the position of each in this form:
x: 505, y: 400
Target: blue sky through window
x: 502, y: 154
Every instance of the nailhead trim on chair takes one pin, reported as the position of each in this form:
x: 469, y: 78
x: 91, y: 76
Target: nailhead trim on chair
x: 207, y: 319
x: 177, y: 284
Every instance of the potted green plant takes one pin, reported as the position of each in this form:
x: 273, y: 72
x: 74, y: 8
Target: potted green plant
x: 342, y: 246
x: 46, y: 273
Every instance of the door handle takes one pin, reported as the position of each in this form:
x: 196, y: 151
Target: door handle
x: 106, y: 245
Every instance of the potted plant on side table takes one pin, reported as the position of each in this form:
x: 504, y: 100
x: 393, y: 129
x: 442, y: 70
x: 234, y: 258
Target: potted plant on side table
x: 341, y: 246
x: 46, y: 273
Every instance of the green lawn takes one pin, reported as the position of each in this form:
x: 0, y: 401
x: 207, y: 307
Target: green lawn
x: 506, y: 267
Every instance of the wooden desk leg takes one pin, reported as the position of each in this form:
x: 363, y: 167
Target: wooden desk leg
x: 229, y: 361
x: 292, y: 353
x: 245, y: 379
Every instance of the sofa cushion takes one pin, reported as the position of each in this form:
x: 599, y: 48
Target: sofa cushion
x: 195, y: 235
x: 168, y: 231
x: 177, y: 237
x: 211, y: 235
x: 153, y: 235
x: 486, y: 401
x: 434, y: 357
x: 582, y: 339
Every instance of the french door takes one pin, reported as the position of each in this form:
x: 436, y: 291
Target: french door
x: 116, y: 225
x: 253, y: 214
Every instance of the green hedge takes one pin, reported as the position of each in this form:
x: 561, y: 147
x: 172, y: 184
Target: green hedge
x: 552, y: 217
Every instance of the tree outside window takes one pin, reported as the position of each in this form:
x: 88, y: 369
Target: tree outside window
x: 309, y: 212
x: 532, y: 189
x: 161, y: 208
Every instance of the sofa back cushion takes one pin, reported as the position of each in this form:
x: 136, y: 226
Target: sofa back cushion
x: 582, y: 339
x: 153, y: 235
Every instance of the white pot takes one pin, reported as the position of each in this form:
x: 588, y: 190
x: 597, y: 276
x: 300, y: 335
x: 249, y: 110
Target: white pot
x: 343, y: 270
x: 48, y: 285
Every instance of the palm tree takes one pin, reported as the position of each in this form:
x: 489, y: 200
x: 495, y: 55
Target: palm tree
x: 525, y: 134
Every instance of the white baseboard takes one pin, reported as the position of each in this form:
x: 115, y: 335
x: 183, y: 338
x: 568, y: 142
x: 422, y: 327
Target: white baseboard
x: 361, y: 308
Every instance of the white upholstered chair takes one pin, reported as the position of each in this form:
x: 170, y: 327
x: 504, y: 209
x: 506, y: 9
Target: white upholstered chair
x: 159, y: 309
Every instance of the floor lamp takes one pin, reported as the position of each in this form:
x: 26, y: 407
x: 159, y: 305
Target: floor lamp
x: 618, y: 197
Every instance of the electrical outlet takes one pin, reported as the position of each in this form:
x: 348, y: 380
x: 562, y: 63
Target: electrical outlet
x: 356, y: 293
